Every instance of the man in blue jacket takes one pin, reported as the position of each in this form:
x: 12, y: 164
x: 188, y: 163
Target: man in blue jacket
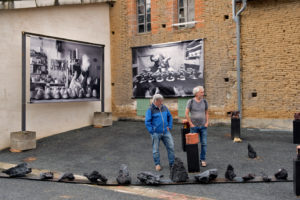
x: 159, y: 122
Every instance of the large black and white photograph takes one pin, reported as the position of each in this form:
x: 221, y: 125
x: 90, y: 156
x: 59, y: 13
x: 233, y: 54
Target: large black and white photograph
x: 64, y: 70
x: 170, y: 69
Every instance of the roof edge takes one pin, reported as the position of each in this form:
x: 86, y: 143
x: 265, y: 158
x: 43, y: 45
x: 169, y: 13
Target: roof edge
x: 19, y: 4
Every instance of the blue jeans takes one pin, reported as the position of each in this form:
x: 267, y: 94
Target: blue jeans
x: 203, y: 139
x: 169, y: 144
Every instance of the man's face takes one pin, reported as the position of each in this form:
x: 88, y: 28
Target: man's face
x: 159, y: 102
x: 200, y: 93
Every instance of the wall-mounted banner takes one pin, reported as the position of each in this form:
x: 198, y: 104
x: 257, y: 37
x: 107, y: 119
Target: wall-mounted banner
x: 64, y: 70
x: 170, y: 69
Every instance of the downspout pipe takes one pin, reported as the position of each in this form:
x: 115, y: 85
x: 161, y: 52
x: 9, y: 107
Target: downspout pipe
x: 236, y: 17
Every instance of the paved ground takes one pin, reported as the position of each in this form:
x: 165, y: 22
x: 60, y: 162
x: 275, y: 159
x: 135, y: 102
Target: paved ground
x: 105, y: 149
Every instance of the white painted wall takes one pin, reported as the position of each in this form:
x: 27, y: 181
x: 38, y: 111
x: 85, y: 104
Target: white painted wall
x: 89, y: 23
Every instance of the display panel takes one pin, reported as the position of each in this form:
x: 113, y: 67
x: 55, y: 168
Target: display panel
x: 170, y: 69
x: 64, y: 70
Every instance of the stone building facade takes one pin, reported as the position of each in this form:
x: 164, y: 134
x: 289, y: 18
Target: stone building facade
x: 270, y: 60
x: 270, y: 75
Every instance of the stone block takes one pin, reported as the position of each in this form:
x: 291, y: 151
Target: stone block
x: 23, y: 140
x: 102, y: 119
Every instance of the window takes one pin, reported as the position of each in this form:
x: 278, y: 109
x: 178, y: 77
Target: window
x: 144, y: 15
x: 186, y: 12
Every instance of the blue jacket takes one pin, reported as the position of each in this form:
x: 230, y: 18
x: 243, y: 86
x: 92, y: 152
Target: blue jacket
x: 157, y: 121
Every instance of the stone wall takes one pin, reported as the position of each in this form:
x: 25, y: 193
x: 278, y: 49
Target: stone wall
x: 271, y: 63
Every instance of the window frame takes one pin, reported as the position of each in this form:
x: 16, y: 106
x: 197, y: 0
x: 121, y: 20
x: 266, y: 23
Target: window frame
x: 145, y: 14
x: 186, y: 12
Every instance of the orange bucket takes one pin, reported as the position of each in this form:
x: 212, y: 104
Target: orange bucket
x: 192, y: 138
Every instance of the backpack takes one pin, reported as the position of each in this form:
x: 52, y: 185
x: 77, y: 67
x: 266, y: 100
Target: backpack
x: 205, y: 102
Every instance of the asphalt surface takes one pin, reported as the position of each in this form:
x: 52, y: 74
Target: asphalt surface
x: 127, y: 142
x: 16, y: 189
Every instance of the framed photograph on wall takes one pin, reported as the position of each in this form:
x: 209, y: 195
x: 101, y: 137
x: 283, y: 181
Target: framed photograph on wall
x: 64, y: 70
x: 170, y: 69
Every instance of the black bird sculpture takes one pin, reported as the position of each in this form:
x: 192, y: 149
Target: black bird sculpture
x: 123, y: 178
x: 229, y: 174
x: 251, y: 152
x: 149, y: 178
x: 18, y: 171
x: 178, y: 172
x: 265, y: 177
x: 46, y: 175
x: 248, y: 177
x: 95, y: 176
x: 282, y: 174
x: 207, y: 176
x: 68, y: 176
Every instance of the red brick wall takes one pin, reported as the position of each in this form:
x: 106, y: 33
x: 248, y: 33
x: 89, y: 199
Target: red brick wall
x: 132, y: 17
x: 199, y: 11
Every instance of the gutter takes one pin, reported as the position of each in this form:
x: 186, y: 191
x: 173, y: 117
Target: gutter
x: 236, y: 17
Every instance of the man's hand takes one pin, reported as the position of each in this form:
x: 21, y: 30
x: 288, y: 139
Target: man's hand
x: 168, y: 129
x: 191, y: 124
x: 206, y: 124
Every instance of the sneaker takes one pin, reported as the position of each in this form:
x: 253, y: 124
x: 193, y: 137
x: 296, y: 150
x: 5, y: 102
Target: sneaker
x: 158, y: 168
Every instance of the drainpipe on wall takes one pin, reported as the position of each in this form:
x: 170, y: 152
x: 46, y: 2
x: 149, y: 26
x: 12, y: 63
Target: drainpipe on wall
x: 236, y: 17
